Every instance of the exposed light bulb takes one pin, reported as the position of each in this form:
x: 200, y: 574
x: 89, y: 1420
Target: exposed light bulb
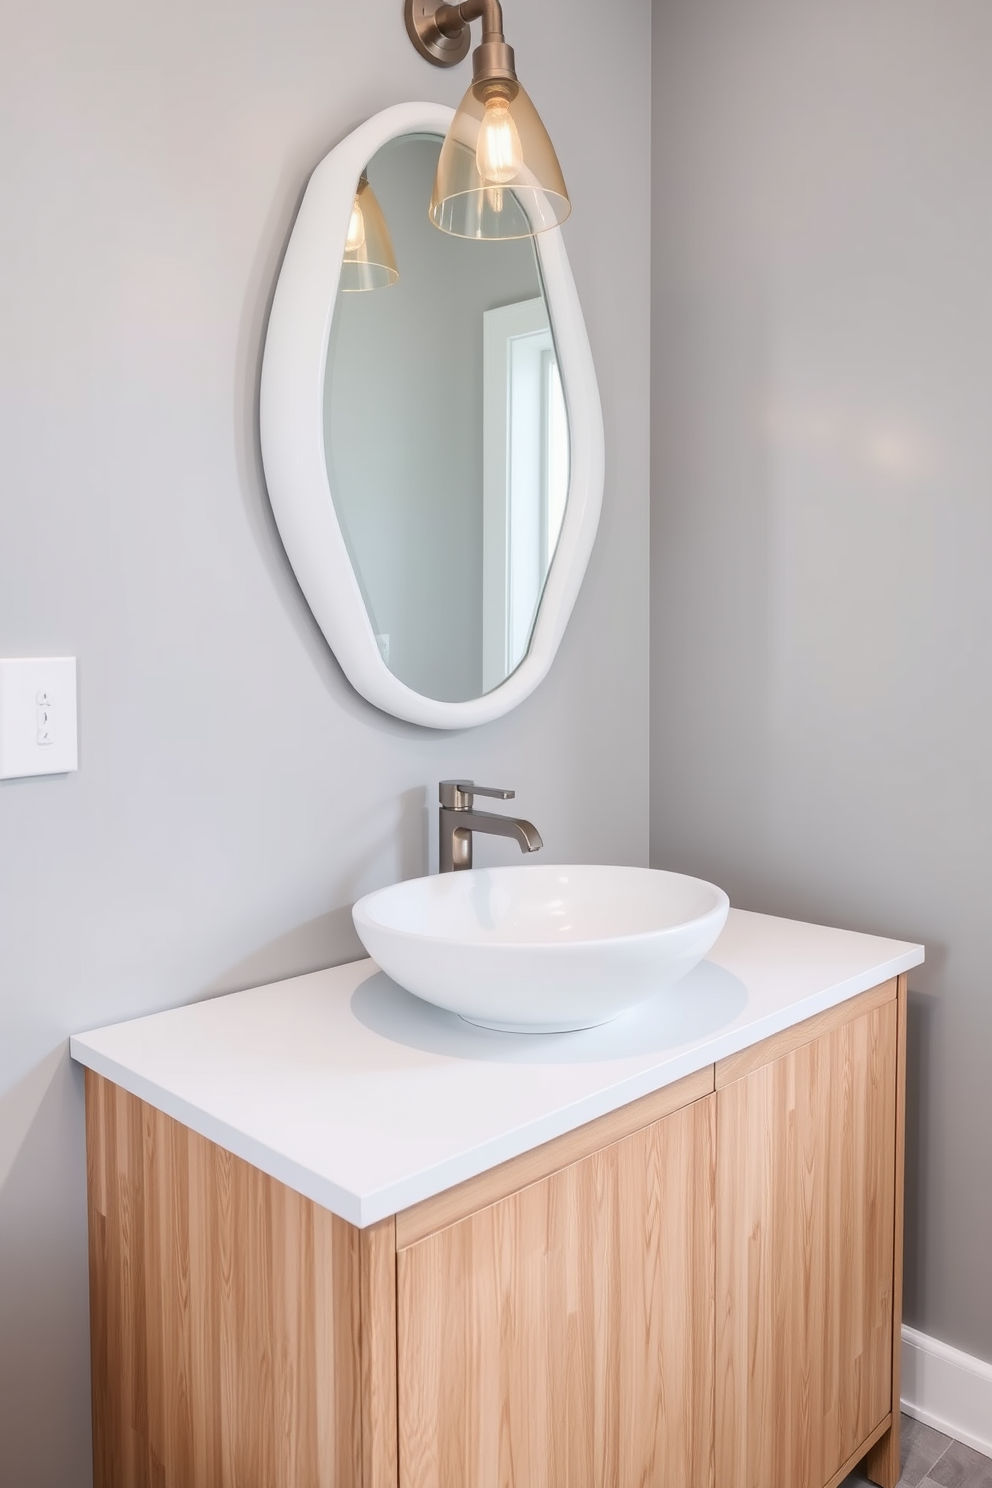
x: 356, y: 230
x: 499, y: 153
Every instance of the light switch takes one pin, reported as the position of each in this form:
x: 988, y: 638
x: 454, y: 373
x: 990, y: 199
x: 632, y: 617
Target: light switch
x: 37, y: 717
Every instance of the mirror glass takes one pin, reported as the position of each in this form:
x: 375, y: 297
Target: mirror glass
x: 446, y: 441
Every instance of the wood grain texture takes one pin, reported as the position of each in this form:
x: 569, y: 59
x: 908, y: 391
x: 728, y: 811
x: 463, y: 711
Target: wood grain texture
x: 225, y: 1318
x: 563, y: 1336
x: 736, y: 1066
x: 378, y: 1346
x: 805, y: 1229
x: 883, y: 1465
x: 530, y: 1167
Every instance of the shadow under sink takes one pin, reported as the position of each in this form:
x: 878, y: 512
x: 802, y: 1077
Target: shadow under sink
x: 707, y: 999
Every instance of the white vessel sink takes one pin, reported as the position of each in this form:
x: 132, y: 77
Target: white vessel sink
x: 538, y: 948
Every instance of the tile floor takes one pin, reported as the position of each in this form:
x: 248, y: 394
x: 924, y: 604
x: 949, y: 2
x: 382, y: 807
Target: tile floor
x: 930, y: 1460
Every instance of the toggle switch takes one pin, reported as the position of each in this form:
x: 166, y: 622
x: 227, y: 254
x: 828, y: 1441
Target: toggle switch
x: 45, y: 719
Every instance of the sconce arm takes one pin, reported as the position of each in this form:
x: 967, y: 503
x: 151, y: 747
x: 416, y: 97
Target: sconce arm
x: 449, y: 19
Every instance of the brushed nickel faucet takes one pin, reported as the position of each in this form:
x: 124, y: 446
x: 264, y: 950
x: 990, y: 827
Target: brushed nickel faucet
x: 458, y: 819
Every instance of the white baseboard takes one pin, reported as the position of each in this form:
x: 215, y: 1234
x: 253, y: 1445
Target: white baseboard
x: 946, y: 1389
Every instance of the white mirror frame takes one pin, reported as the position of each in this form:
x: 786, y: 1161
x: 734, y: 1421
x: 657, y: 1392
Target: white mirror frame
x: 292, y: 435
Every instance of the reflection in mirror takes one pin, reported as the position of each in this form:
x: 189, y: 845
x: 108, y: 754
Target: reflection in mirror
x: 446, y: 441
x: 368, y: 262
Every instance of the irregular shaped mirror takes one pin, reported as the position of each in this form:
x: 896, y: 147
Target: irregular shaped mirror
x: 442, y: 538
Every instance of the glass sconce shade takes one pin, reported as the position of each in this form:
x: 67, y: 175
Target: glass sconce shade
x: 498, y: 175
x: 369, y: 261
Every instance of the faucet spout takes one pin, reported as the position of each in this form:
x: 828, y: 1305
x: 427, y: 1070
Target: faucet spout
x: 524, y: 833
x: 458, y: 819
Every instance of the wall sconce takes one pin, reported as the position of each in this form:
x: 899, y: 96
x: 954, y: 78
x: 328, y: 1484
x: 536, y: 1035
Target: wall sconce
x: 369, y: 261
x: 498, y: 175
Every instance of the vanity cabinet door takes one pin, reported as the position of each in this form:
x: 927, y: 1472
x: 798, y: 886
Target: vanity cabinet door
x: 563, y: 1336
x: 806, y: 1206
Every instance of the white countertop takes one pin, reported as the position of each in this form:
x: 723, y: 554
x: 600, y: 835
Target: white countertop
x: 367, y: 1100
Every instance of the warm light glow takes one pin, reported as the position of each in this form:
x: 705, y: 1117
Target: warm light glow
x: 497, y: 174
x: 356, y: 230
x: 499, y: 153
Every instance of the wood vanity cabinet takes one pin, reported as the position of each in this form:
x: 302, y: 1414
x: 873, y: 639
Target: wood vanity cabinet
x: 700, y: 1290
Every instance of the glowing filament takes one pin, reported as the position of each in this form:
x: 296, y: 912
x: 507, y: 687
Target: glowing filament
x: 499, y: 153
x: 356, y: 230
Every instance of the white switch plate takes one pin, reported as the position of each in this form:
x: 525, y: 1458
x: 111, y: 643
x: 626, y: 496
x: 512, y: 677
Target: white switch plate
x: 37, y: 717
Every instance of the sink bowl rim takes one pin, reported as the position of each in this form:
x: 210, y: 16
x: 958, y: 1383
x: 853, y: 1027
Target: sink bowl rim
x: 466, y: 942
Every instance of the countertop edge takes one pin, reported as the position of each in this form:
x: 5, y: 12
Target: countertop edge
x: 323, y: 1191
x: 364, y: 1209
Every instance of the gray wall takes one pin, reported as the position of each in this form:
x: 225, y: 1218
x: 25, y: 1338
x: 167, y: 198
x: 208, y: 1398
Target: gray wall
x: 822, y: 523
x: 234, y: 795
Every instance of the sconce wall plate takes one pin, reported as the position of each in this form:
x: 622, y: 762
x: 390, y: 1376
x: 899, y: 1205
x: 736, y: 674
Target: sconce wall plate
x: 443, y: 51
x: 294, y: 370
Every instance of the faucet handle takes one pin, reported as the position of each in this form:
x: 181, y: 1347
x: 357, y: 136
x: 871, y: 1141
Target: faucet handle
x: 456, y: 795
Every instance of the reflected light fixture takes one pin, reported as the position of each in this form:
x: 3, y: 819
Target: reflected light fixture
x: 369, y: 261
x: 498, y: 175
